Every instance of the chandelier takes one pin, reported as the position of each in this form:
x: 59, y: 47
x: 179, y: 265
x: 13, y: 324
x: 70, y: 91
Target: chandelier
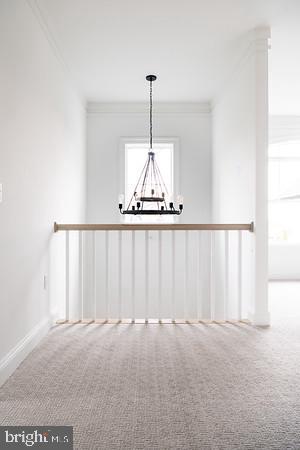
x: 150, y: 195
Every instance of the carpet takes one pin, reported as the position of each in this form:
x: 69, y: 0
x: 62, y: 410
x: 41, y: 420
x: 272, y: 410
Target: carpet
x: 178, y: 387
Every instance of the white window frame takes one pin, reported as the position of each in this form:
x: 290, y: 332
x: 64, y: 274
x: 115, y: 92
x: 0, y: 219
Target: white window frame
x: 145, y: 140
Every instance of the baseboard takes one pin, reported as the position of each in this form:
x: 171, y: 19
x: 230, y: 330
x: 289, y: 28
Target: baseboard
x: 16, y: 355
x: 260, y: 320
x: 284, y: 280
x: 54, y: 316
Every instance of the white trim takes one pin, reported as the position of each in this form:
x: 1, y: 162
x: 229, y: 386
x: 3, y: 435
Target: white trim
x: 284, y: 158
x: 54, y: 316
x: 255, y: 42
x: 40, y: 16
x: 17, y: 354
x: 260, y: 320
x: 94, y: 108
x: 261, y: 315
x: 43, y: 20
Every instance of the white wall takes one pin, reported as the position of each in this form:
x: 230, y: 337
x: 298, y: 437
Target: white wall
x: 107, y: 124
x: 234, y: 150
x: 284, y: 261
x: 240, y: 168
x: 42, y: 168
x: 284, y: 258
x: 234, y: 178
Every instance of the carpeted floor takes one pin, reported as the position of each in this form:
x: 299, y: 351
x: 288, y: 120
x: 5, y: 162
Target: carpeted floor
x: 163, y: 386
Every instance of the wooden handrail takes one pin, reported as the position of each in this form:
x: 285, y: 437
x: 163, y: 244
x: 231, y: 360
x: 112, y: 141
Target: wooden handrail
x: 170, y: 227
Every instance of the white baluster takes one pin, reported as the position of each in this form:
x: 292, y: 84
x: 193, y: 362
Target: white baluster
x: 199, y: 277
x: 159, y: 276
x: 133, y: 275
x: 67, y: 293
x: 226, y: 274
x: 239, y: 278
x: 186, y: 273
x: 119, y: 275
x: 146, y: 275
x: 80, y: 273
x: 173, y: 275
x: 212, y: 276
x: 106, y: 275
x: 94, y: 268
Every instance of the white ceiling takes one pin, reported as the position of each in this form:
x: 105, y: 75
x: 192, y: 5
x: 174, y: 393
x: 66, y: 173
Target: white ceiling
x: 110, y: 45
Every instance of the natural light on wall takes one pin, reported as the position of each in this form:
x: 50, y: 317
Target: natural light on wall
x: 284, y: 192
x: 135, y: 156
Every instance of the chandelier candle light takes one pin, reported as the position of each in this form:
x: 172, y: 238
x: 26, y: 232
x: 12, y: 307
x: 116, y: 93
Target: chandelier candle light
x: 150, y: 195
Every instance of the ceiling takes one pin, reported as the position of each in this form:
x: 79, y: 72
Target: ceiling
x: 110, y: 45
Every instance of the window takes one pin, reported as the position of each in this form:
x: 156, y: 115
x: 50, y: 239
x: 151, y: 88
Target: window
x: 284, y: 192
x: 135, y: 155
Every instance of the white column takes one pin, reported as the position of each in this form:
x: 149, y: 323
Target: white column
x: 261, y: 314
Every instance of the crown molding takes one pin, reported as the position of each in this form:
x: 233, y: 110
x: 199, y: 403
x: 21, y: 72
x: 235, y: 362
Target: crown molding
x: 256, y: 40
x: 94, y: 108
x: 43, y: 21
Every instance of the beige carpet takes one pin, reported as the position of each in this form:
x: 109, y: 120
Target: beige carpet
x: 163, y: 386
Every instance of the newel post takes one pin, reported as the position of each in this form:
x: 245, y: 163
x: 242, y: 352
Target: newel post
x: 261, y: 315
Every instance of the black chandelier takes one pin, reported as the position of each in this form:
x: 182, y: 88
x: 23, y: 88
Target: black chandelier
x: 150, y: 195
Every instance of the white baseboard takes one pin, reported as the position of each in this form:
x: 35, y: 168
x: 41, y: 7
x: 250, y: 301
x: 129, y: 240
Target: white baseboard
x: 16, y: 355
x: 284, y: 280
x: 260, y: 320
x: 54, y: 316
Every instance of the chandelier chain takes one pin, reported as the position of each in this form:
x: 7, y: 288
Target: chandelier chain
x: 151, y: 114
